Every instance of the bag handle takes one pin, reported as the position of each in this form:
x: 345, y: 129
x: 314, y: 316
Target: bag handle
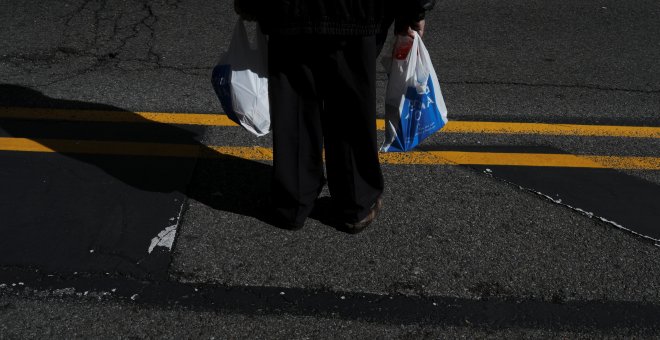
x: 240, y: 38
x: 242, y: 45
x: 421, y: 61
x: 417, y: 40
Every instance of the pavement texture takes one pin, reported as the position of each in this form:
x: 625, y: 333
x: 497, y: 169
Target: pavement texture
x: 467, y: 237
x: 458, y: 251
x: 86, y: 319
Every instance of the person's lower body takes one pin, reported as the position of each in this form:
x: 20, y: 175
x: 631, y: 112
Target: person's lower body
x: 322, y: 93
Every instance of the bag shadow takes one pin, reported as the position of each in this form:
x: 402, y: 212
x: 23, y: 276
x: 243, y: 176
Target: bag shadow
x: 59, y: 208
x: 228, y: 183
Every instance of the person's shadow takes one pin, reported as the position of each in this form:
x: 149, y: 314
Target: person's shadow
x: 50, y: 201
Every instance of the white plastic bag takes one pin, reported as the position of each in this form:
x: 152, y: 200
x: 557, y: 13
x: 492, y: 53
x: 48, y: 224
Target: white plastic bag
x: 414, y: 107
x: 241, y: 81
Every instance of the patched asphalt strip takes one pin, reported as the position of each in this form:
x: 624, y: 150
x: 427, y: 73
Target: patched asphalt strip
x: 91, y: 213
x: 490, y: 311
x: 84, y: 212
x: 621, y: 200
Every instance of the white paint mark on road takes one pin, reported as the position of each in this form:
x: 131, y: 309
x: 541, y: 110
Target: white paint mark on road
x: 165, y: 238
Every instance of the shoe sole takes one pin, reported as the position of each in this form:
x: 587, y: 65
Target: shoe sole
x: 365, y: 222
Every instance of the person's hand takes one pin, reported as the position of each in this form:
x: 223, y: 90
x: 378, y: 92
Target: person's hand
x: 417, y: 26
x: 411, y: 28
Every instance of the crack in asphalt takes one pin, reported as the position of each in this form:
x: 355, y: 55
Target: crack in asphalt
x: 94, y: 37
x: 112, y: 37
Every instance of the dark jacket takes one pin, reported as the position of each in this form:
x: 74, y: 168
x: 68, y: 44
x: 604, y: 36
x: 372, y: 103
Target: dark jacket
x: 332, y: 17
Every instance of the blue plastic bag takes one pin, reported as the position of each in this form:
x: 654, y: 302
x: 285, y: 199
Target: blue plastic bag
x: 414, y: 107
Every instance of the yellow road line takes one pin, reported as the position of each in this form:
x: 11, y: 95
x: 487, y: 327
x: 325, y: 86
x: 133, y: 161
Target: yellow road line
x: 265, y: 154
x: 552, y: 129
x: 116, y: 116
x: 522, y: 159
x: 99, y: 147
x: 223, y: 120
x: 255, y: 153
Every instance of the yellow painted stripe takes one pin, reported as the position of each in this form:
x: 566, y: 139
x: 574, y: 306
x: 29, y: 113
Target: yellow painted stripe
x: 266, y: 154
x: 552, y: 129
x: 522, y: 159
x: 223, y: 120
x: 546, y: 129
x: 255, y: 153
x: 99, y: 147
x: 116, y: 116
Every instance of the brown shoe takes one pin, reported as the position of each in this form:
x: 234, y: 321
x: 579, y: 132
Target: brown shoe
x: 356, y: 227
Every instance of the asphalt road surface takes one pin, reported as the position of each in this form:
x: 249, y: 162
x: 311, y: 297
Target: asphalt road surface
x: 131, y: 207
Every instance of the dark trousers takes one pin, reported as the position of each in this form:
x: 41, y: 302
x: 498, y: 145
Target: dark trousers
x: 322, y: 95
